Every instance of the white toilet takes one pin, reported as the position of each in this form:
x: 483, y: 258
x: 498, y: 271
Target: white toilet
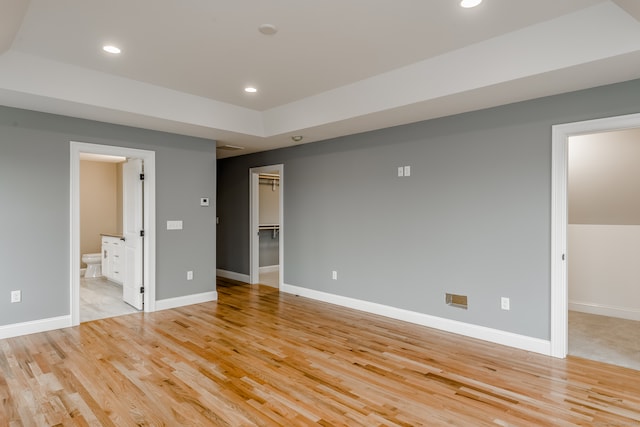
x: 94, y: 264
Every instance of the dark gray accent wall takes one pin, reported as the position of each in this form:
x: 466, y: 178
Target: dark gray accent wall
x: 35, y: 198
x: 472, y: 219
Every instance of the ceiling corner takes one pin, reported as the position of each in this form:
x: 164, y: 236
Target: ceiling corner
x: 13, y: 12
x: 632, y: 7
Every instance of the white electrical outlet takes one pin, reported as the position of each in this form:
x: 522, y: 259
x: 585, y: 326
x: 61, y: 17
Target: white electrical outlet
x: 505, y: 304
x: 189, y: 275
x: 16, y: 296
x: 407, y: 171
x: 400, y: 171
x: 334, y: 275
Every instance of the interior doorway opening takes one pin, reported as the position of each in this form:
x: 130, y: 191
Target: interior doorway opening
x: 144, y: 279
x: 560, y: 220
x: 603, y: 246
x: 102, y: 241
x: 266, y: 229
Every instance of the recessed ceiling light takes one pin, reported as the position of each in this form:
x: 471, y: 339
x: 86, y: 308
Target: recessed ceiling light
x: 268, y: 29
x: 470, y: 3
x: 250, y: 89
x: 111, y: 49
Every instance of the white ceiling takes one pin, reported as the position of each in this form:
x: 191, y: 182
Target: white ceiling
x: 335, y: 67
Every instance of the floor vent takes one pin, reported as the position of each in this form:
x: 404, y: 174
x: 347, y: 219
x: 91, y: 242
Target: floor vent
x: 454, y: 300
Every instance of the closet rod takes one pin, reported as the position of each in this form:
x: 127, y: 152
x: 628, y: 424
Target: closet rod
x: 269, y: 227
x: 269, y: 176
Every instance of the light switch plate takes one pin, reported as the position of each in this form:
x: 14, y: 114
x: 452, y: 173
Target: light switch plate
x: 16, y: 296
x: 174, y: 225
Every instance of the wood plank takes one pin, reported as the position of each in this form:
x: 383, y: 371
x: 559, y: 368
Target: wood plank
x: 258, y: 357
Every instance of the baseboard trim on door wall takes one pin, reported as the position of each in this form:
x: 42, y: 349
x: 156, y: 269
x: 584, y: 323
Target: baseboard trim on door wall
x: 168, y: 303
x: 233, y: 275
x: 269, y: 268
x: 35, y: 326
x: 496, y: 336
x: 605, y: 310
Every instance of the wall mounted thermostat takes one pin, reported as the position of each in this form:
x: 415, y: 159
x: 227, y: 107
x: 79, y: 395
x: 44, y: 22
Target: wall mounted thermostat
x: 204, y: 201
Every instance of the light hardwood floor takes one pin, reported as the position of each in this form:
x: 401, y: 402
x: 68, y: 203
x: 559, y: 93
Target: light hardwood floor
x: 260, y: 357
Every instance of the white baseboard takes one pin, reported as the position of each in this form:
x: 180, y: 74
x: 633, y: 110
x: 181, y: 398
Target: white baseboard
x: 233, y: 275
x: 269, y: 268
x: 35, y: 326
x: 168, y: 303
x: 605, y: 310
x: 522, y: 342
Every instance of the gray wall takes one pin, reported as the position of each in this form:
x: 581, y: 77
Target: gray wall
x: 34, y: 210
x: 473, y: 218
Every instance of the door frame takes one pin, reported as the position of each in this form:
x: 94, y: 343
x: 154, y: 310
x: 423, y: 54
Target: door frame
x: 254, y: 220
x: 559, y: 218
x: 149, y: 202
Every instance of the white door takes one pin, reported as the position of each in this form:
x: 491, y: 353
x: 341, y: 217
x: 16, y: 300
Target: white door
x: 132, y: 226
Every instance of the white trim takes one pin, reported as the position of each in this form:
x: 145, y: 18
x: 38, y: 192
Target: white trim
x: 35, y: 326
x: 559, y: 169
x: 522, y: 342
x: 605, y: 310
x: 559, y: 294
x: 254, y: 193
x: 168, y: 303
x: 148, y: 158
x: 233, y: 275
x: 269, y: 268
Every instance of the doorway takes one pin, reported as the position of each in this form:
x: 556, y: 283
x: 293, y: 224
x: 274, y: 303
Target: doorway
x: 266, y: 229
x: 101, y: 215
x: 559, y: 219
x: 604, y: 247
x: 146, y: 274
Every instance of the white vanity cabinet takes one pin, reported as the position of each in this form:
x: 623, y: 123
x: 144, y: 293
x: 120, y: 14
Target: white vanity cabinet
x: 113, y: 258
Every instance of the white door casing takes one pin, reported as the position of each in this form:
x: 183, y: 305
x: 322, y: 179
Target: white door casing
x: 132, y: 227
x: 254, y: 219
x: 149, y: 274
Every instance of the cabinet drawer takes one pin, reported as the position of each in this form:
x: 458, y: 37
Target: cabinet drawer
x: 116, y: 275
x: 113, y: 258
